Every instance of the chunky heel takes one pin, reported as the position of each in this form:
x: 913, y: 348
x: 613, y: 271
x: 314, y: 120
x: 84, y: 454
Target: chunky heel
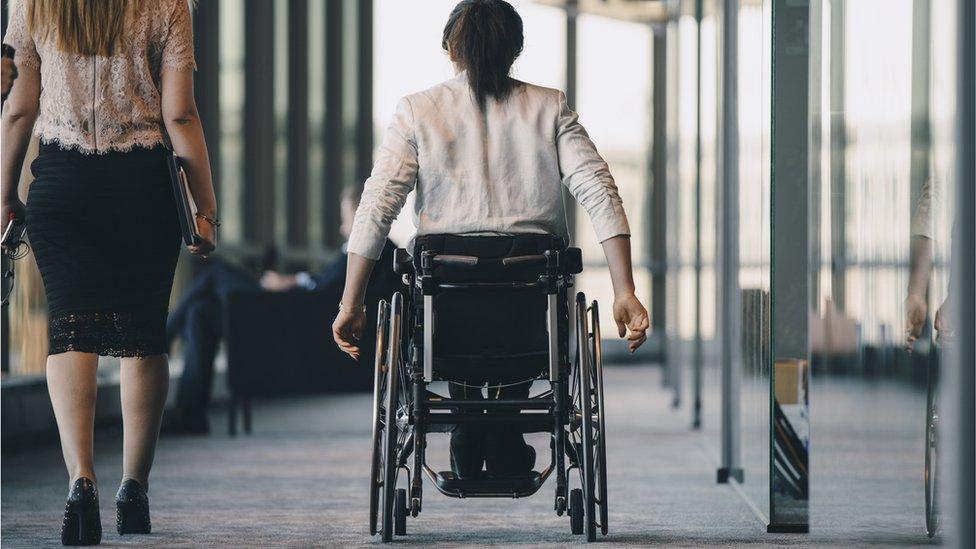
x: 82, y: 524
x: 132, y: 509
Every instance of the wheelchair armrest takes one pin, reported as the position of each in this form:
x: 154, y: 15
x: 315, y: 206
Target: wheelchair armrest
x: 402, y: 262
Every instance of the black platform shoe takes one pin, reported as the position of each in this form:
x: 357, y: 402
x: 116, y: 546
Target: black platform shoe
x: 132, y: 509
x: 82, y: 524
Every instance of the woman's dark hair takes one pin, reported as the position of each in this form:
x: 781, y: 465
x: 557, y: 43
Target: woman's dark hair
x: 484, y: 37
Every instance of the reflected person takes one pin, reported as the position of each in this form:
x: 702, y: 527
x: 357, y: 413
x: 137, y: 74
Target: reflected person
x: 920, y: 271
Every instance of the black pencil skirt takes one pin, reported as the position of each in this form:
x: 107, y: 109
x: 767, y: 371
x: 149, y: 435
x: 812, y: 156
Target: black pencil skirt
x: 104, y: 231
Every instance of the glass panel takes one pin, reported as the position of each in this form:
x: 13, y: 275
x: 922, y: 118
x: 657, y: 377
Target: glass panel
x: 231, y: 143
x: 888, y: 170
x: 697, y: 232
x: 754, y: 244
x: 614, y: 102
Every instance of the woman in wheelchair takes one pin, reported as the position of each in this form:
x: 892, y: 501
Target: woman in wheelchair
x: 489, y: 272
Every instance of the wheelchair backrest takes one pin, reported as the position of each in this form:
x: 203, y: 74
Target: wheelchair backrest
x: 501, y: 331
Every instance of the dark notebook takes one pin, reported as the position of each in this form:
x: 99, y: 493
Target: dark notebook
x: 186, y: 208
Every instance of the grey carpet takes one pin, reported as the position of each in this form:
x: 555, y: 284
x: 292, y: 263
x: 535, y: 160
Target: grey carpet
x: 300, y: 481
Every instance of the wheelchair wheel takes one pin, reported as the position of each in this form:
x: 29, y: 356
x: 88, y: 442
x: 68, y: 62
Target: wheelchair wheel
x: 600, y: 461
x: 396, y: 401
x: 400, y: 511
x: 931, y: 460
x: 576, y: 511
x: 586, y: 406
x: 379, y: 416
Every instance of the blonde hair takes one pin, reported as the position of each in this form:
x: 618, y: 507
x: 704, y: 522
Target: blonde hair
x: 84, y: 27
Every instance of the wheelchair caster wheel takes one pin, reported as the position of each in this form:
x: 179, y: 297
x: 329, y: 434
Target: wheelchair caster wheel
x: 560, y: 505
x: 400, y: 511
x: 576, y: 511
x: 414, y: 507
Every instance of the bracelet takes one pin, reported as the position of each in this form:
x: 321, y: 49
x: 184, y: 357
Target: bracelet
x: 361, y: 308
x: 208, y: 219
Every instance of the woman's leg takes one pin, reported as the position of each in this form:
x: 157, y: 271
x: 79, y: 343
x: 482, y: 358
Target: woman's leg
x: 145, y: 381
x: 467, y: 441
x: 72, y: 386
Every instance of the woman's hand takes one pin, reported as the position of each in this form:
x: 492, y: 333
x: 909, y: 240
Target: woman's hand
x: 945, y: 332
x: 347, y: 331
x: 274, y: 281
x: 208, y: 238
x: 631, y: 318
x: 12, y: 208
x: 916, y: 310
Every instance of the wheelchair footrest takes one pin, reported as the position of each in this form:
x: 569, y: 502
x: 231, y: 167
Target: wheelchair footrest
x: 487, y: 487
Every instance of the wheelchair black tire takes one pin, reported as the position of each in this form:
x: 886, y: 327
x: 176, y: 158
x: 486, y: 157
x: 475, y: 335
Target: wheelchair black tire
x: 400, y: 511
x: 576, y: 511
x: 391, y: 465
x: 596, y: 366
x: 931, y: 459
x: 379, y: 385
x: 586, y: 410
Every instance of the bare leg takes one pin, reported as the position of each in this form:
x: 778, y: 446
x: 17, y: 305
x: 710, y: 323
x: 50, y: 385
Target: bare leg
x: 73, y: 388
x: 145, y: 382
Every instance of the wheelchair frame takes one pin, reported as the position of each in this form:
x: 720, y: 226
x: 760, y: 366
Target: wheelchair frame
x: 405, y: 411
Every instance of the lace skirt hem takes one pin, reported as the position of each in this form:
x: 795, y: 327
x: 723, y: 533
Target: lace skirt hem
x: 108, y: 333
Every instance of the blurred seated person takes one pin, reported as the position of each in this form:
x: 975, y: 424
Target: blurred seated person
x: 198, y: 318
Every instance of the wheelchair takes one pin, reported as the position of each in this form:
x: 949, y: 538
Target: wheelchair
x: 434, y: 333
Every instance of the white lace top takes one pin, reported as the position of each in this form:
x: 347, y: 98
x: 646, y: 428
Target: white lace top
x: 99, y: 104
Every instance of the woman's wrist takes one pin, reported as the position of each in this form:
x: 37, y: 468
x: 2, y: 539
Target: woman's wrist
x: 352, y: 307
x: 626, y: 291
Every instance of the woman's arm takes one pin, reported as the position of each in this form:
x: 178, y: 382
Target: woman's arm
x: 628, y: 312
x: 349, y: 323
x: 394, y: 176
x: 182, y: 123
x: 588, y: 178
x: 16, y: 125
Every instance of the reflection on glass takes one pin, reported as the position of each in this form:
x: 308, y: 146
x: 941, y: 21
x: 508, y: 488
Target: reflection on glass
x: 884, y: 240
x: 754, y: 253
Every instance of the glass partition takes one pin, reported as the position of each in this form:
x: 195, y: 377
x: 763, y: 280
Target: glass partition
x: 754, y: 86
x: 886, y: 86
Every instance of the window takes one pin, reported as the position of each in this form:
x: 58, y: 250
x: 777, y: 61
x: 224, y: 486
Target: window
x: 231, y: 120
x: 614, y: 102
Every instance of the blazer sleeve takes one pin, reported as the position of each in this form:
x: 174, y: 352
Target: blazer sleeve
x: 394, y: 175
x: 586, y: 175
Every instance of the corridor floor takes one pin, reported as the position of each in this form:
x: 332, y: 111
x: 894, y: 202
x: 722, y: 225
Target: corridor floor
x: 300, y: 481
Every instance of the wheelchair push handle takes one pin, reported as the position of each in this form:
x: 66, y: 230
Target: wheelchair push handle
x: 522, y: 260
x: 455, y: 260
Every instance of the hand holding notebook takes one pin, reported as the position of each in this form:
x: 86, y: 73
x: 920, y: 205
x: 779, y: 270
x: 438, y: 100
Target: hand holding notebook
x: 198, y: 229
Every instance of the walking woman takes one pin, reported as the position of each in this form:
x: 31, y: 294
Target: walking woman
x: 488, y: 155
x: 108, y: 88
